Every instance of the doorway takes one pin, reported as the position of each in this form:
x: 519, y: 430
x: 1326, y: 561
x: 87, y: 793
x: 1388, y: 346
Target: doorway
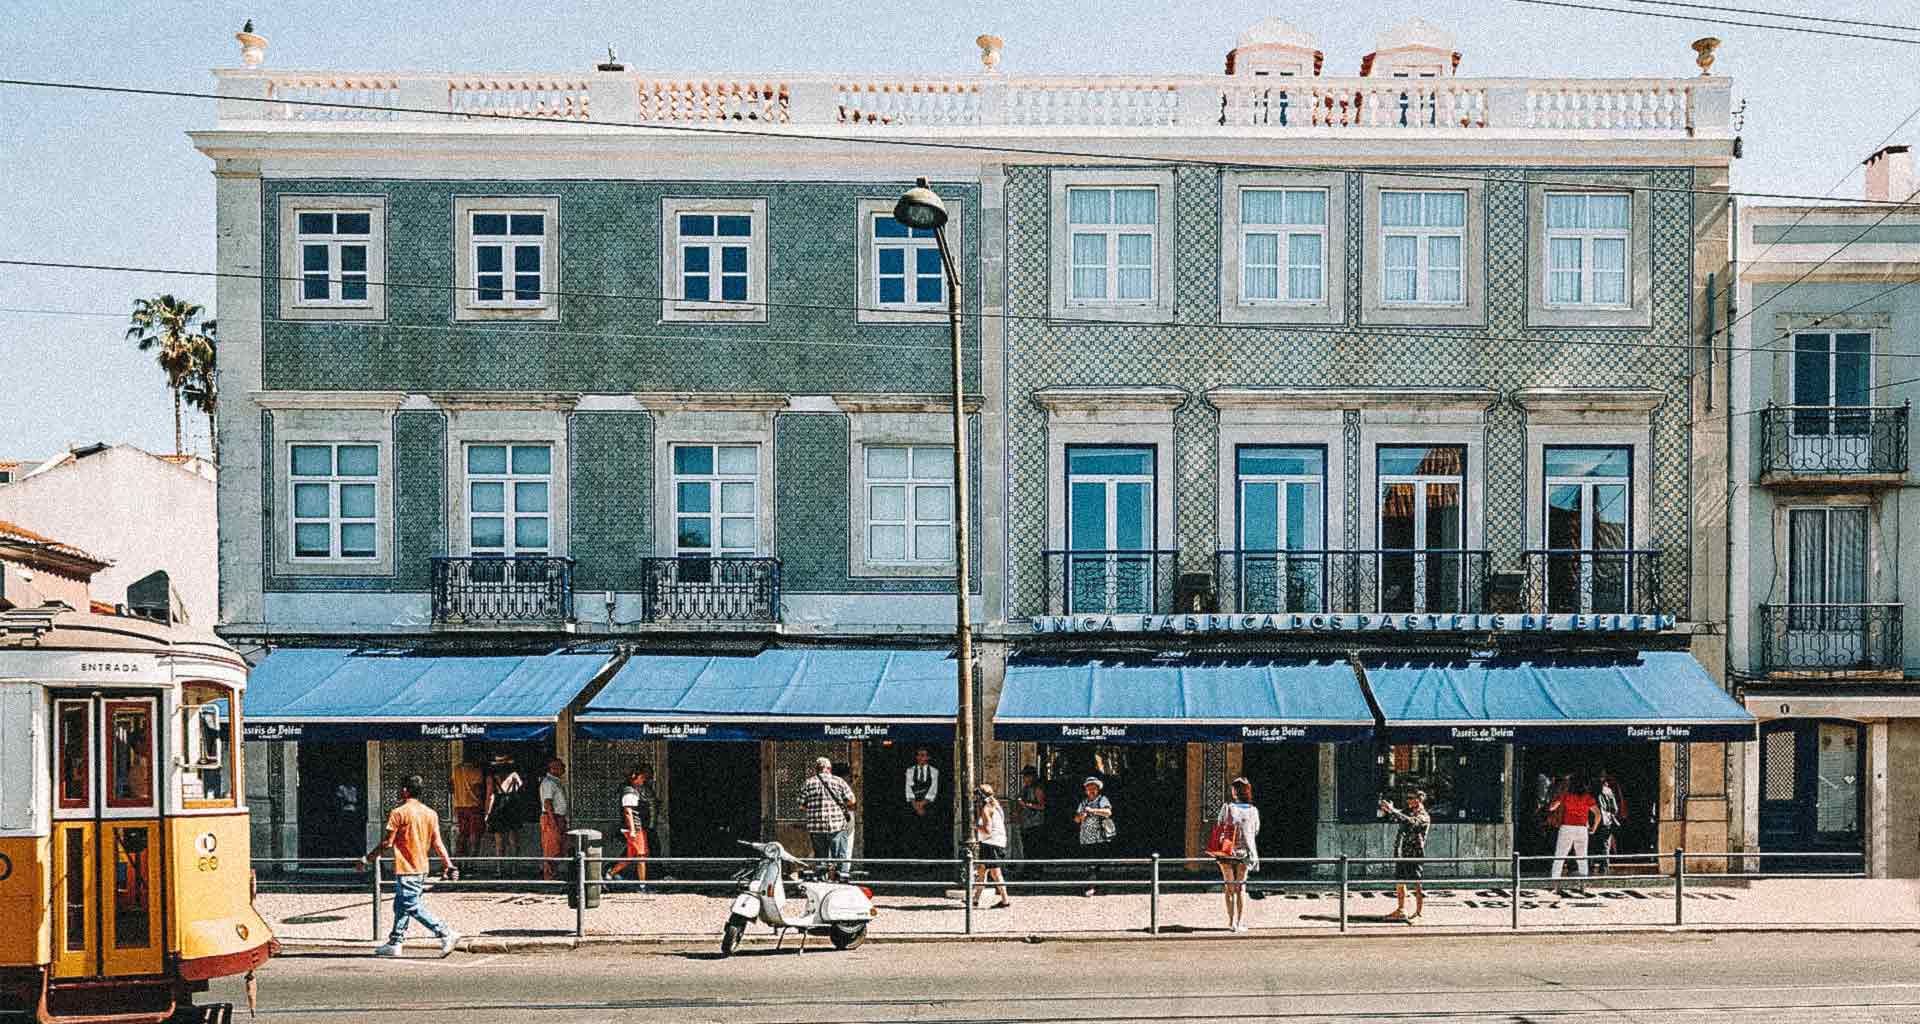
x: 106, y: 844
x: 891, y: 827
x: 712, y: 798
x: 1146, y: 783
x: 332, y: 799
x: 1634, y: 767
x: 1286, y: 789
x: 1811, y: 784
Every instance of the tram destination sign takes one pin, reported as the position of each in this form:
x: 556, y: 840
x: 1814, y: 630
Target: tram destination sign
x: 1358, y: 622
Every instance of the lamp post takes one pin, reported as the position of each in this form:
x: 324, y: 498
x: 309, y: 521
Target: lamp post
x: 921, y: 208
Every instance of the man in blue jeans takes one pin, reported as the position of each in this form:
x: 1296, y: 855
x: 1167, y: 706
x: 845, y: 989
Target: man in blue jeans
x: 828, y: 801
x: 413, y: 832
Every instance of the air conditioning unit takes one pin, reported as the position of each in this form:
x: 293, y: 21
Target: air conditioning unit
x: 1194, y: 594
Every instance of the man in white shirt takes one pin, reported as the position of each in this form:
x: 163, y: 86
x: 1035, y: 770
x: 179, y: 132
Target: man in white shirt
x: 923, y: 800
x: 553, y: 817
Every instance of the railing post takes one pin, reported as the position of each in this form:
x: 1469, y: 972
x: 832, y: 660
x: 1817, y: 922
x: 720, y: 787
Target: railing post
x: 1343, y: 892
x: 1153, y: 897
x: 579, y: 888
x: 376, y: 898
x: 1679, y: 886
x: 968, y: 891
x: 1516, y: 890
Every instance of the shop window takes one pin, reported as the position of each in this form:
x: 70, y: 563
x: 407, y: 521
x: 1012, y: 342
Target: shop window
x: 1462, y: 783
x: 206, y: 746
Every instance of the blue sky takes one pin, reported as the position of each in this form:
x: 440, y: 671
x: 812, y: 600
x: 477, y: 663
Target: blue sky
x: 112, y: 179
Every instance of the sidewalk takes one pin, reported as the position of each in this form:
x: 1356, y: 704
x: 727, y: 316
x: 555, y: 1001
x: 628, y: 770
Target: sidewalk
x: 498, y: 921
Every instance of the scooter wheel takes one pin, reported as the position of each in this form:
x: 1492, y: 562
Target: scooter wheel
x: 848, y: 936
x: 730, y: 938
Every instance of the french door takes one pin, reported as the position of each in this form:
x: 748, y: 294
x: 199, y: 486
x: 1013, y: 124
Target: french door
x: 1588, y: 530
x: 1110, y: 560
x: 106, y: 844
x: 1282, y: 561
x: 1422, y: 528
x: 1827, y: 618
x: 1832, y: 384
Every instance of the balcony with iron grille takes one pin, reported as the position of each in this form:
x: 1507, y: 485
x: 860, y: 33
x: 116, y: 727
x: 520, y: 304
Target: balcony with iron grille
x: 503, y: 591
x: 1827, y: 640
x: 1594, y: 581
x: 1117, y: 582
x: 1828, y: 445
x: 701, y: 590
x: 1385, y: 580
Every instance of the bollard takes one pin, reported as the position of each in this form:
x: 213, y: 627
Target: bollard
x: 1343, y: 892
x: 968, y: 891
x: 1153, y: 898
x: 1679, y: 886
x: 579, y: 890
x: 376, y: 898
x: 1515, y: 894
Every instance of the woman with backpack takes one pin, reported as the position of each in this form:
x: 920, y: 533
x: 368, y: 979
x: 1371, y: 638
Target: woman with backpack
x: 1234, y: 846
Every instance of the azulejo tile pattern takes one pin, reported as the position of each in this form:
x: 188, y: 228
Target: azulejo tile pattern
x: 610, y: 466
x: 610, y: 337
x: 1198, y: 353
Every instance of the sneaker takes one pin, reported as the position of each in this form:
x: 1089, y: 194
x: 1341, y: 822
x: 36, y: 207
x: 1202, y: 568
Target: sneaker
x: 1090, y: 891
x: 387, y: 949
x: 447, y: 942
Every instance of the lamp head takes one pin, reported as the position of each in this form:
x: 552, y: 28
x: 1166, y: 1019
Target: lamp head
x: 921, y: 208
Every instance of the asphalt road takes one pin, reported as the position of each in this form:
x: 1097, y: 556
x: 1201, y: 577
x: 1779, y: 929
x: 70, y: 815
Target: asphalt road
x: 1687, y: 978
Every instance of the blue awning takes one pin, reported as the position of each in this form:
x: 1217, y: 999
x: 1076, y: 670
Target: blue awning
x: 825, y: 694
x: 1236, y: 700
x: 1656, y: 696
x: 329, y: 694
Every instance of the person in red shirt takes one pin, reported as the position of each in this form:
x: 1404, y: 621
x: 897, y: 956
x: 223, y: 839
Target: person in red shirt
x: 1578, y: 815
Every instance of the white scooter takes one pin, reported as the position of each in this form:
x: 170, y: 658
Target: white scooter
x: 839, y: 911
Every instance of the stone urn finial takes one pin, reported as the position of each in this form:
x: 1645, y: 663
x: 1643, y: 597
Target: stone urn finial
x: 990, y: 47
x: 1705, y: 47
x: 253, y: 48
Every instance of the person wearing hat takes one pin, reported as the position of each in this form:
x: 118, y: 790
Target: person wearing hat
x: 990, y: 831
x: 1409, y: 847
x: 1033, y: 819
x: 1094, y: 816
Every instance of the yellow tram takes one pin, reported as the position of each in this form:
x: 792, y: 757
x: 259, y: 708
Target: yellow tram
x: 124, y: 878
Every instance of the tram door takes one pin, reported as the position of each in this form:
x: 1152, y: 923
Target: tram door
x: 106, y: 835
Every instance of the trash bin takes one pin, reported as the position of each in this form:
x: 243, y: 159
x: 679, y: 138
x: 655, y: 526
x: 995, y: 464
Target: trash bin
x: 588, y: 840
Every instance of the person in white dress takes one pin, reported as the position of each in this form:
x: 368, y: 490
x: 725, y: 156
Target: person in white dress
x: 1240, y: 813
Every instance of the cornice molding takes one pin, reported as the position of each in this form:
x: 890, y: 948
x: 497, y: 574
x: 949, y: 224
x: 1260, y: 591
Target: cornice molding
x: 383, y: 401
x: 1327, y: 399
x: 1110, y: 399
x: 505, y: 401
x: 904, y: 403
x: 1616, y: 400
x: 712, y: 401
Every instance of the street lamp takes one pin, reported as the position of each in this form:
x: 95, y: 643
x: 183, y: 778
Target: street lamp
x: 921, y: 208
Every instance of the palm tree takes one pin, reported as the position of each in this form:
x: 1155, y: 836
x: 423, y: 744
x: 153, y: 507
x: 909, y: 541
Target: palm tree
x: 169, y: 328
x: 202, y: 388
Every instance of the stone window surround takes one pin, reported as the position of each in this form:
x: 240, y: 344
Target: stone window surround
x: 483, y: 424
x: 1883, y: 580
x: 464, y: 305
x: 712, y: 419
x: 870, y: 311
x: 894, y: 424
x: 1110, y: 416
x: 1060, y: 254
x: 1473, y: 256
x: 1639, y: 309
x: 289, y: 283
x: 1278, y: 417
x: 1425, y: 417
x: 672, y: 308
x: 1785, y: 325
x: 1590, y: 417
x: 371, y: 425
x: 1332, y: 309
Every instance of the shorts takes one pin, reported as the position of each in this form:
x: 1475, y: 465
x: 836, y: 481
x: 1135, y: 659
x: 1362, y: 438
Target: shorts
x: 637, y: 845
x: 988, y: 851
x: 1408, y: 871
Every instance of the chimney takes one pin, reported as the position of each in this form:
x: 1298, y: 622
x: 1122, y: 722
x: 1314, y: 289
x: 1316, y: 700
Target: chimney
x: 1890, y: 175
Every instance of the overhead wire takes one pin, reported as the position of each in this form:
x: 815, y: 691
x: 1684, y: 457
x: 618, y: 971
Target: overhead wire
x: 1783, y: 15
x: 1720, y: 21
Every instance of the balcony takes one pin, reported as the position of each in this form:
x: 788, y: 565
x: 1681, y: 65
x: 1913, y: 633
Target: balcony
x: 702, y: 590
x: 490, y: 590
x: 1592, y: 581
x: 1119, y: 582
x: 1831, y: 639
x: 1452, y: 580
x: 1819, y: 444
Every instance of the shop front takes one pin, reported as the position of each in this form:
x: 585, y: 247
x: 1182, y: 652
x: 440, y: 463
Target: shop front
x: 1836, y: 775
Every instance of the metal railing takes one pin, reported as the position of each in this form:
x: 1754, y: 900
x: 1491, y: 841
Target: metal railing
x: 489, y: 589
x: 1355, y: 581
x: 1834, y: 637
x: 703, y: 589
x: 1592, y: 581
x: 1136, y: 581
x: 1833, y: 440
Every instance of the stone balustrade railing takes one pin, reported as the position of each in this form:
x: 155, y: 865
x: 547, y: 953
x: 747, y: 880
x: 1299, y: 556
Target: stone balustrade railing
x: 1639, y: 107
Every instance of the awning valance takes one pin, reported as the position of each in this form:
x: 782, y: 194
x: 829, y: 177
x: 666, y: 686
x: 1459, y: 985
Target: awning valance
x: 332, y: 694
x: 1235, y: 700
x: 788, y: 694
x: 1655, y: 696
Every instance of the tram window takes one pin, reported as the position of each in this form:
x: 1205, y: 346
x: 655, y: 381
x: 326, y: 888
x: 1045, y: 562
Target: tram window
x: 129, y: 754
x: 74, y: 745
x: 206, y: 725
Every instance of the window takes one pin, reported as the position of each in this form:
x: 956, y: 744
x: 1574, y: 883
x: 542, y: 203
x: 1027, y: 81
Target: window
x: 1110, y: 565
x: 1422, y: 526
x: 1423, y: 240
x: 1832, y: 383
x: 1828, y: 621
x: 1587, y: 238
x: 335, y: 506
x: 1588, y: 529
x: 1282, y: 505
x: 206, y: 745
x: 1283, y: 243
x: 713, y: 256
x: 333, y: 248
x: 1111, y: 244
x: 716, y: 500
x: 129, y: 747
x: 715, y: 265
x: 509, y: 499
x: 909, y: 504
x: 907, y: 267
x: 1462, y: 783
x: 509, y: 258
x: 73, y: 746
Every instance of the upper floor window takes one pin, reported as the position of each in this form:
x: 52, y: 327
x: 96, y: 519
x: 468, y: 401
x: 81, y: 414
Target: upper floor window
x: 716, y: 259
x: 1423, y: 566
x: 1423, y: 242
x: 1588, y: 234
x: 1282, y: 495
x: 907, y: 268
x: 1588, y: 528
x: 1832, y: 373
x: 1112, y: 240
x: 1827, y: 563
x: 334, y: 264
x: 716, y: 500
x: 910, y: 505
x: 509, y: 258
x: 1283, y: 245
x: 509, y: 499
x: 335, y: 501
x: 1111, y: 564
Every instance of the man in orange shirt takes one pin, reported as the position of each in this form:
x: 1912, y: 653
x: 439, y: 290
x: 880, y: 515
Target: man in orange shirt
x: 413, y: 832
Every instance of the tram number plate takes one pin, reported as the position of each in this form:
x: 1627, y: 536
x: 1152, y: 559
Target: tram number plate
x: 209, y: 864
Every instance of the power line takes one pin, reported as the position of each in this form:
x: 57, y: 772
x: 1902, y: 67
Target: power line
x: 1720, y: 21
x: 59, y: 312
x: 1779, y: 14
x: 1810, y: 271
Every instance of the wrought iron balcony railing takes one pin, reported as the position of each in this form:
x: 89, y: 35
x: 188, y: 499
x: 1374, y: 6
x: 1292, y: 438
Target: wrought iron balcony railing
x: 498, y: 590
x: 1828, y: 440
x: 1119, y: 582
x: 1837, y: 637
x: 699, y: 588
x: 1450, y: 580
x: 1592, y: 581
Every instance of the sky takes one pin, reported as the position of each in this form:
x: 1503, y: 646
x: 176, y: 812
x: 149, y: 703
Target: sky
x: 101, y: 178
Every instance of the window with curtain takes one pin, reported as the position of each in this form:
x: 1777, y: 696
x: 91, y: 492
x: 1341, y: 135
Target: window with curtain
x: 1587, y: 238
x: 1283, y: 242
x: 1111, y: 238
x: 1826, y: 573
x: 1832, y: 380
x: 1422, y: 246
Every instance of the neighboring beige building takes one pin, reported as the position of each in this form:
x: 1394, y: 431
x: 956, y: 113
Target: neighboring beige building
x: 136, y: 511
x: 35, y: 570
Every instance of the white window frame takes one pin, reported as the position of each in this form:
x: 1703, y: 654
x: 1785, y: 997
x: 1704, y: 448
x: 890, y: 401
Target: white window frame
x: 1588, y: 237
x: 1110, y: 232
x: 334, y: 243
x: 715, y: 482
x: 293, y: 305
x: 911, y: 523
x: 1158, y: 307
x: 1283, y: 238
x: 1283, y: 480
x: 334, y: 520
x: 1421, y: 513
x: 674, y: 306
x: 872, y: 308
x: 1423, y: 236
x: 510, y: 513
x: 510, y: 245
x: 467, y: 304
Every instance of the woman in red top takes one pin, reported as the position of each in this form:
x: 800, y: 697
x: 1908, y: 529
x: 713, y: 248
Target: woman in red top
x: 1578, y: 816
